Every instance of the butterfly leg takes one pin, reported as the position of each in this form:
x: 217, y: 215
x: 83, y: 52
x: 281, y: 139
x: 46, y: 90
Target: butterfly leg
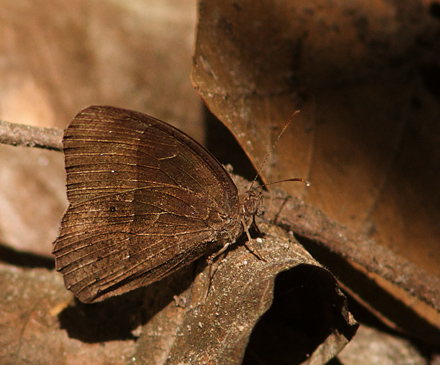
x: 210, y: 261
x: 249, y: 244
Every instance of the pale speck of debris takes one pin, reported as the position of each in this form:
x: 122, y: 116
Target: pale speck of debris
x: 43, y: 161
x: 137, y: 331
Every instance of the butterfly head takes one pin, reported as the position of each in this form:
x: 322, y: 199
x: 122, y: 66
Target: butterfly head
x: 252, y: 202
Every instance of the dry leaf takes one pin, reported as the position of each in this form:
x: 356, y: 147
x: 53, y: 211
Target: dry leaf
x: 308, y: 309
x: 367, y: 134
x: 31, y: 334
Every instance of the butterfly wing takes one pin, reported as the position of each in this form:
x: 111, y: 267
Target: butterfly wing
x: 145, y: 200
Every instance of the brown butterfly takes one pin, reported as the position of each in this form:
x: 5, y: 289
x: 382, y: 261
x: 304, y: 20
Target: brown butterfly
x: 145, y: 200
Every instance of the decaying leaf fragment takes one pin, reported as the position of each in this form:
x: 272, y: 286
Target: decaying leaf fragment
x: 285, y: 309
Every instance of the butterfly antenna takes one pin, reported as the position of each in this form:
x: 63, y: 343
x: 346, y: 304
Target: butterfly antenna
x: 270, y: 153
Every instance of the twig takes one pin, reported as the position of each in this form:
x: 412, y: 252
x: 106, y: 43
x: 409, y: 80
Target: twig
x: 29, y: 136
x: 306, y: 222
x: 310, y: 223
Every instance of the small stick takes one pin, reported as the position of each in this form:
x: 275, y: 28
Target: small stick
x: 30, y: 136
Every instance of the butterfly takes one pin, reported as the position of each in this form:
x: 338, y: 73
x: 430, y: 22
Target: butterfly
x: 145, y: 200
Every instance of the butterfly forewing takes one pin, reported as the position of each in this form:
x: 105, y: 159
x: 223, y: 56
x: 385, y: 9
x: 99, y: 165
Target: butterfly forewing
x: 145, y: 200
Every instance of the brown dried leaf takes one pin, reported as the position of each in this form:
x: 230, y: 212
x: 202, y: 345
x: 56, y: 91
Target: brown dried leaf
x: 387, y: 349
x: 367, y: 134
x: 30, y: 328
x: 250, y: 302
